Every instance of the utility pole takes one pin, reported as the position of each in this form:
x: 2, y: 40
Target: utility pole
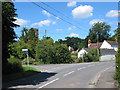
x: 45, y: 33
x: 98, y: 43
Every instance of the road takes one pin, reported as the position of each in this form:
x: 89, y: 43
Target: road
x: 80, y: 75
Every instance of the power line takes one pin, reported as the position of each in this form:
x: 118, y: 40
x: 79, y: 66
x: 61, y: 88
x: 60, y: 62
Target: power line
x: 55, y: 15
x: 58, y: 12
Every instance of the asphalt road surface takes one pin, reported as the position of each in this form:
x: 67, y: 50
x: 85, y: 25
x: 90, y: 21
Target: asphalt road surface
x: 80, y: 75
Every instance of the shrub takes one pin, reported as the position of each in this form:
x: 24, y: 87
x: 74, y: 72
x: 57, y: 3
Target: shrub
x: 31, y: 61
x: 14, y: 65
x: 92, y: 55
x: 80, y: 60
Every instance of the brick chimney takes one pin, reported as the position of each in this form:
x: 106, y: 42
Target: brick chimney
x: 116, y: 40
x: 89, y: 42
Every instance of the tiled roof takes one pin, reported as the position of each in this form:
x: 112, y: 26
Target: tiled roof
x: 94, y: 45
x: 87, y: 49
x: 107, y: 51
x: 113, y: 43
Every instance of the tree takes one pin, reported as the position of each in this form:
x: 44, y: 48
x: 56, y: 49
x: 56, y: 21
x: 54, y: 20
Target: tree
x: 92, y: 55
x: 61, y: 54
x: 28, y: 37
x: 73, y: 42
x: 8, y: 34
x: 102, y: 29
x: 43, y: 49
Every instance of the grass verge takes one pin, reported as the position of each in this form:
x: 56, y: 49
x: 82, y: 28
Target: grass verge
x: 27, y: 71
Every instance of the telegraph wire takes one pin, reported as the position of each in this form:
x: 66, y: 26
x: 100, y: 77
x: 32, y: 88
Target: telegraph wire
x: 55, y: 15
x: 59, y: 12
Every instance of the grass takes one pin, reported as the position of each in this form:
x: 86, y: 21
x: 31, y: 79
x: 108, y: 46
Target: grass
x: 27, y: 71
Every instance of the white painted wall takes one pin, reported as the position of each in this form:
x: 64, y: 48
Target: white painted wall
x: 115, y: 48
x: 106, y: 45
x: 107, y: 57
x: 81, y: 53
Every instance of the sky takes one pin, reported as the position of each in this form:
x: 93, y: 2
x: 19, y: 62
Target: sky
x: 73, y: 19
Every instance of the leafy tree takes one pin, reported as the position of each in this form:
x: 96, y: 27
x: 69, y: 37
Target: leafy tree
x: 15, y: 49
x: 43, y: 49
x: 73, y: 42
x: 8, y: 34
x: 24, y: 35
x: 30, y: 39
x: 61, y: 54
x: 92, y: 55
x: 102, y: 29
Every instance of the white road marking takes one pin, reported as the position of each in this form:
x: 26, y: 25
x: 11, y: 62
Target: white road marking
x: 49, y: 83
x: 90, y: 65
x: 68, y: 73
x: 81, y: 68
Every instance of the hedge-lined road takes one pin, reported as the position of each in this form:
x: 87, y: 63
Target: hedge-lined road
x: 80, y: 75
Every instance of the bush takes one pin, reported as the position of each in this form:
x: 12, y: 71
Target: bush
x: 13, y: 65
x: 92, y: 55
x: 31, y: 61
x: 80, y: 60
x: 61, y: 54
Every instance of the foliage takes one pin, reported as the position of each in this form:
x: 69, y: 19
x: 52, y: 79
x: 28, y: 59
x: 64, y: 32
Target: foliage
x: 73, y: 42
x: 92, y: 55
x: 15, y: 49
x: 8, y: 14
x: 31, y: 61
x: 61, y: 54
x: 48, y: 52
x: 8, y: 34
x: 102, y: 29
x: 13, y: 66
x: 43, y: 50
x: 117, y: 74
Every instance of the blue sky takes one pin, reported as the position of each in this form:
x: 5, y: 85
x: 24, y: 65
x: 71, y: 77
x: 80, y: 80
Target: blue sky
x: 82, y: 16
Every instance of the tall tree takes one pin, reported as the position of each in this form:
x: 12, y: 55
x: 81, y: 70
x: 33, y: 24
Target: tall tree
x: 8, y: 34
x: 102, y: 29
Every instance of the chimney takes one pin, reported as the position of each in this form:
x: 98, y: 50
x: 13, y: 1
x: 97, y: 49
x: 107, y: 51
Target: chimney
x: 89, y: 42
x: 116, y: 40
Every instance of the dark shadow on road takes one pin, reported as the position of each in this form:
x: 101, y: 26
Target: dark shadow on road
x: 32, y: 80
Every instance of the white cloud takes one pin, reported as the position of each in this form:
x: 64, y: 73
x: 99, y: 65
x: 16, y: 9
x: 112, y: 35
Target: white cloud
x: 112, y: 13
x: 92, y: 22
x: 59, y: 29
x: 41, y: 23
x: 44, y: 22
x: 46, y: 13
x: 82, y: 11
x: 53, y: 22
x: 70, y: 28
x: 21, y: 22
x: 71, y: 4
x: 74, y: 35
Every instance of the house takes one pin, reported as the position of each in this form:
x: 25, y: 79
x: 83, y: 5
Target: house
x: 82, y: 52
x: 90, y: 45
x: 107, y: 54
x: 107, y: 49
x: 109, y: 45
x: 71, y: 49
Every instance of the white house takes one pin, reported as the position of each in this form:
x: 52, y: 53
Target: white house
x: 109, y: 45
x: 82, y: 52
x: 107, y: 49
x: 107, y: 54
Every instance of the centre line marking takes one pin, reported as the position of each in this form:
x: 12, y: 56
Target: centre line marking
x: 68, y: 73
x: 49, y: 83
x: 81, y: 68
